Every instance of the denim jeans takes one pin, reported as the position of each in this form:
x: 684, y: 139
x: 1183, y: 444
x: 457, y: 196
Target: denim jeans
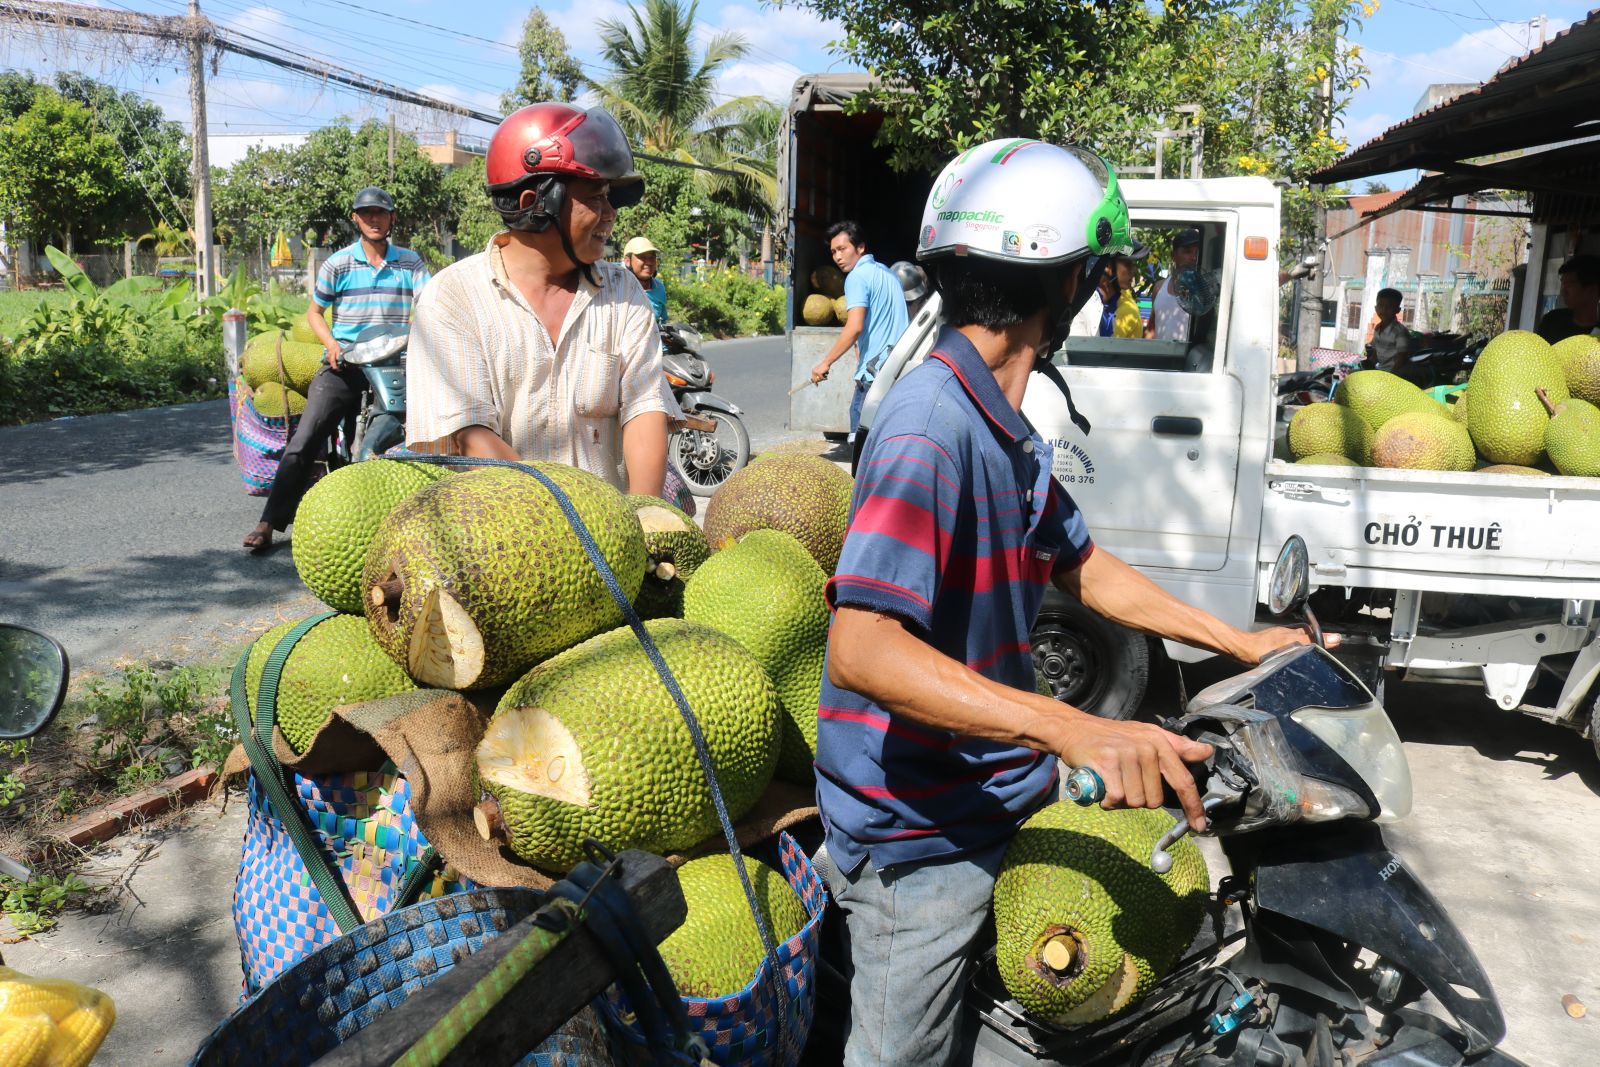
x: 856, y: 401
x: 910, y: 932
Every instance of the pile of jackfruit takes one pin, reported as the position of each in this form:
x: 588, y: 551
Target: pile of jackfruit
x: 278, y: 366
x: 1529, y: 408
x: 476, y: 581
x: 825, y: 304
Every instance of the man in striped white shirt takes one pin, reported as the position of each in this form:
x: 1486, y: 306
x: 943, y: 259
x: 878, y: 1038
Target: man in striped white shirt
x: 536, y: 348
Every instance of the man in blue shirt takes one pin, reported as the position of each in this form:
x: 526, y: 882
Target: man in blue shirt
x: 639, y: 256
x: 932, y: 745
x: 875, y: 315
x: 370, y: 283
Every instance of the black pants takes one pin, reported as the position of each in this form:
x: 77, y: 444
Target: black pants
x: 334, y: 395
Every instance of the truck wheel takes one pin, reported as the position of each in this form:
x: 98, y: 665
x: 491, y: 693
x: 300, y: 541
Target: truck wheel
x: 1091, y: 663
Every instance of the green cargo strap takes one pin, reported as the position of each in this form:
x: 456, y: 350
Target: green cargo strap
x: 269, y: 772
x: 417, y: 877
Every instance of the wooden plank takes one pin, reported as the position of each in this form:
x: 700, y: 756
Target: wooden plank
x: 573, y: 973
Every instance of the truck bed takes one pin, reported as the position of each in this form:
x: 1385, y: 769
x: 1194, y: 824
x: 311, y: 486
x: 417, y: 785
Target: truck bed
x: 1496, y: 534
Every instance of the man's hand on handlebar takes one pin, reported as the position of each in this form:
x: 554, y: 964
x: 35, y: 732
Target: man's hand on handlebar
x: 1133, y: 759
x: 1255, y: 646
x: 332, y: 352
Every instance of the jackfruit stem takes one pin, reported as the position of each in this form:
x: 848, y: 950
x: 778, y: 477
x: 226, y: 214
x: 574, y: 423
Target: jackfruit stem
x: 491, y: 825
x: 666, y: 571
x: 387, y: 593
x: 1057, y: 953
x: 1544, y: 398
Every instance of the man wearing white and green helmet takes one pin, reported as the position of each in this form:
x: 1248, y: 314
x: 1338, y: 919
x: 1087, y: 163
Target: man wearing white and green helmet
x: 932, y: 745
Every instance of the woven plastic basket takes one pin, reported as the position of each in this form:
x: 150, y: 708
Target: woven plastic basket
x: 354, y: 982
x: 258, y: 440
x: 742, y: 1027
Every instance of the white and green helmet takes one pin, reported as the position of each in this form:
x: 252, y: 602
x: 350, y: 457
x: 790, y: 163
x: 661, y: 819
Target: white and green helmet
x: 1027, y: 202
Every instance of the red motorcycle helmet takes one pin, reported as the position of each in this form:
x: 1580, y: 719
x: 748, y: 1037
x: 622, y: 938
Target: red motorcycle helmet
x: 558, y: 141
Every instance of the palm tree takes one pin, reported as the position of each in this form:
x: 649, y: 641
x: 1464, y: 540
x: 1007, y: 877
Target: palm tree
x: 666, y: 98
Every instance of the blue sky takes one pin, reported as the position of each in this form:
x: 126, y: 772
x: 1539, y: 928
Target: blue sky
x: 465, y: 51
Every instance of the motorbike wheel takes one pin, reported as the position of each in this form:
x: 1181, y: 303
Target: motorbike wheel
x: 1089, y: 661
x: 704, y: 459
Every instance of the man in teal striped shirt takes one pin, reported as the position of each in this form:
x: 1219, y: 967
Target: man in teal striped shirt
x: 371, y: 283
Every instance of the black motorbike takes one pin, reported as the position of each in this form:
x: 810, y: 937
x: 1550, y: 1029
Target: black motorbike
x: 1339, y: 955
x: 712, y: 443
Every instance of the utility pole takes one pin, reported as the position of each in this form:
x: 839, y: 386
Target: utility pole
x: 1325, y: 28
x: 205, y: 270
x: 391, y: 148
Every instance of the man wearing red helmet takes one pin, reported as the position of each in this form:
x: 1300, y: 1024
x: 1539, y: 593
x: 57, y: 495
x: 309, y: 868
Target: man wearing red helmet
x: 537, y: 348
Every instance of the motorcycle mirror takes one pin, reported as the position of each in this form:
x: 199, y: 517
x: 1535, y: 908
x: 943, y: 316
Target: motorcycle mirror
x: 33, y: 681
x: 1289, y: 585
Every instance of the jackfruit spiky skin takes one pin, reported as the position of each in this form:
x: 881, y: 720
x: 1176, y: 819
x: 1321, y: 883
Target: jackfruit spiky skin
x: 590, y: 744
x: 1506, y: 418
x: 271, y: 399
x: 841, y: 309
x: 336, y: 662
x: 817, y: 310
x: 718, y: 948
x: 1510, y: 468
x: 768, y: 594
x: 1419, y: 440
x: 805, y: 496
x: 1327, y: 459
x: 1325, y: 427
x: 1573, y: 439
x: 671, y: 537
x: 1458, y: 410
x: 259, y: 364
x: 1085, y: 872
x: 337, y: 519
x: 1378, y: 396
x: 494, y: 577
x: 1579, y: 357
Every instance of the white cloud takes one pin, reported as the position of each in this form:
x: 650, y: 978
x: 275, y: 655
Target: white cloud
x: 455, y: 94
x: 746, y: 78
x: 783, y: 33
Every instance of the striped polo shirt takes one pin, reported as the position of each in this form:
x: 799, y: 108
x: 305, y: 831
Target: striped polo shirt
x: 956, y: 527
x: 363, y: 297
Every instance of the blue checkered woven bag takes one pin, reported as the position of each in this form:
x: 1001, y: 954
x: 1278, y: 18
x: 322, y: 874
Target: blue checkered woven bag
x: 369, y: 836
x: 741, y: 1027
x: 258, y: 440
x: 352, y: 983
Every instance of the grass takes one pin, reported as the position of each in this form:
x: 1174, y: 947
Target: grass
x: 18, y: 304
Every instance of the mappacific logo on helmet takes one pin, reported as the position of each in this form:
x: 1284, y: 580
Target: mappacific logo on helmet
x: 941, y: 192
x: 970, y: 216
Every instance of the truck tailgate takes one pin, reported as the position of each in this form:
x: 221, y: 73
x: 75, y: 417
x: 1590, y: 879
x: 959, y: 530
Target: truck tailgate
x: 1438, y: 531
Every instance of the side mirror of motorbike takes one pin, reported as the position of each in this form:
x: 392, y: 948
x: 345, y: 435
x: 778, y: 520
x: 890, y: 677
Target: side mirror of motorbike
x: 33, y: 681
x: 1289, y: 585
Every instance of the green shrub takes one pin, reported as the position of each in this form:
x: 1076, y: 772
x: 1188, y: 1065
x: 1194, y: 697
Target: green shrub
x: 727, y: 304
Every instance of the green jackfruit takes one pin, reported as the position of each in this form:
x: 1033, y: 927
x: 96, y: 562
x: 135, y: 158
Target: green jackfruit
x: 260, y: 361
x: 590, y: 744
x: 1572, y: 439
x: 1328, y: 459
x: 1511, y: 468
x: 1506, y: 419
x: 806, y: 496
x: 475, y: 578
x: 1458, y: 410
x: 817, y: 310
x: 337, y: 519
x: 674, y: 549
x: 768, y: 594
x: 718, y: 948
x: 271, y: 399
x: 841, y: 309
x: 1083, y: 926
x: 1420, y: 440
x: 1322, y: 428
x: 334, y: 663
x: 828, y: 280
x: 1579, y: 357
x: 1378, y: 396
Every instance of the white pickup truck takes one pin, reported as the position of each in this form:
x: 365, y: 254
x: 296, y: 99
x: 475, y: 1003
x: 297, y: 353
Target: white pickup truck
x: 1473, y: 579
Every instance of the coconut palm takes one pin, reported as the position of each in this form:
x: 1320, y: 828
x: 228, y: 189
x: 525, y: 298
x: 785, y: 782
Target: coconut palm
x: 665, y: 97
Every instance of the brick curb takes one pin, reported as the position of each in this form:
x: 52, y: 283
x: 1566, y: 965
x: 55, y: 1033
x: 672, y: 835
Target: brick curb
x: 107, y: 822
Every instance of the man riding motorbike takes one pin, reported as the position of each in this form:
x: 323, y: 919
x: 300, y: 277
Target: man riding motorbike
x: 932, y: 744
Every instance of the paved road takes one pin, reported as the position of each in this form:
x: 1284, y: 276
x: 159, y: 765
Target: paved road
x: 121, y: 532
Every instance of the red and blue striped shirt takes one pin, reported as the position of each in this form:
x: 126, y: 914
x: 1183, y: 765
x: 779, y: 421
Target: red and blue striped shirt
x: 956, y: 527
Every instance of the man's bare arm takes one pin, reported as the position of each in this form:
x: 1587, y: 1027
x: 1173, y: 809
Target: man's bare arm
x: 1111, y: 588
x: 877, y: 656
x: 484, y: 443
x: 855, y: 321
x: 324, y: 332
x: 644, y: 452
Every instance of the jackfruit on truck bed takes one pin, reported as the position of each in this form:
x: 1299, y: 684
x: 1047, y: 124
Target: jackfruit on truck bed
x: 1419, y: 440
x: 1326, y: 428
x: 475, y: 578
x: 767, y: 593
x: 802, y: 495
x: 1579, y: 357
x: 718, y: 948
x: 1378, y: 396
x: 1083, y: 926
x: 591, y: 744
x: 1328, y: 459
x: 1506, y: 419
x: 1573, y: 437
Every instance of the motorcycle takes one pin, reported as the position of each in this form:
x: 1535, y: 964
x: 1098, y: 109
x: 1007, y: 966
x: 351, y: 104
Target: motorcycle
x: 380, y: 421
x: 1337, y: 943
x: 712, y: 443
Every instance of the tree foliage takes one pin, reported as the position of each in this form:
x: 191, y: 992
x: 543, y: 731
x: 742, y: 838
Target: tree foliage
x: 1109, y: 74
x: 548, y: 70
x: 82, y: 161
x: 472, y: 216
